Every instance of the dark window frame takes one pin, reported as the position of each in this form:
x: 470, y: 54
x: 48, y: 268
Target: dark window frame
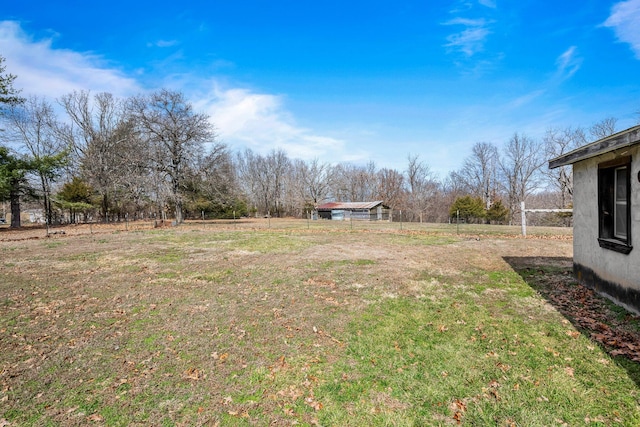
x: 608, y: 174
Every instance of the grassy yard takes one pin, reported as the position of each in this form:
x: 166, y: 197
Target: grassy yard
x: 287, y: 323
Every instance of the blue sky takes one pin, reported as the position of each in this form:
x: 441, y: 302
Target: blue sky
x: 345, y: 80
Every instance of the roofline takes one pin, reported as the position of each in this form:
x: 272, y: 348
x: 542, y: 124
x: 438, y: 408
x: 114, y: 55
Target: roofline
x: 350, y: 205
x: 625, y: 138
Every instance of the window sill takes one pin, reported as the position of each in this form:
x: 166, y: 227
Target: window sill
x: 615, y: 245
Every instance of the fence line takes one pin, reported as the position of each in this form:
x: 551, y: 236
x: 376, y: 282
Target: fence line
x: 275, y: 224
x: 523, y: 215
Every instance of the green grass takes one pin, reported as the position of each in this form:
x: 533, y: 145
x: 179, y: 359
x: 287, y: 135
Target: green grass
x: 204, y: 326
x: 418, y: 359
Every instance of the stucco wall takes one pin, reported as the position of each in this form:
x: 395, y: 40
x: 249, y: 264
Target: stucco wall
x: 614, y: 274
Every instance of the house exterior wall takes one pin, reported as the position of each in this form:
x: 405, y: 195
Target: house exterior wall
x: 613, y: 274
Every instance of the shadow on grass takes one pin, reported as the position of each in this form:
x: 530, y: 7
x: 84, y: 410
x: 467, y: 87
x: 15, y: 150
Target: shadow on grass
x: 611, y: 327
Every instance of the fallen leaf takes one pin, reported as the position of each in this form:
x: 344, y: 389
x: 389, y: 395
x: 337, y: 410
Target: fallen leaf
x: 95, y: 417
x: 460, y: 405
x: 192, y: 374
x: 503, y: 367
x: 314, y: 404
x: 573, y: 334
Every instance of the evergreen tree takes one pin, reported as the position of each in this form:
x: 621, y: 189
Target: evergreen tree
x: 8, y: 94
x: 468, y: 208
x: 13, y: 181
x: 497, y: 212
x: 76, y: 195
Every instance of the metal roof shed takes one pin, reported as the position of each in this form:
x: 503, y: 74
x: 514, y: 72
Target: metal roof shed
x: 365, y: 211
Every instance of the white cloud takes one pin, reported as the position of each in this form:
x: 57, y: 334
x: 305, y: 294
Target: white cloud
x: 526, y: 99
x: 470, y: 40
x: 625, y: 21
x: 45, y: 71
x: 242, y: 117
x: 163, y: 43
x: 260, y: 122
x: 568, y: 63
x: 488, y: 3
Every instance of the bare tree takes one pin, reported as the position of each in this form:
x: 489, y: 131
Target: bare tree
x: 421, y: 187
x: 217, y: 172
x: 316, y: 177
x: 264, y: 179
x: 561, y: 141
x: 520, y: 166
x: 391, y: 187
x: 308, y: 184
x: 211, y: 185
x: 247, y: 173
x: 100, y: 134
x: 354, y: 183
x: 479, y: 172
x: 176, y: 135
x: 556, y: 143
x: 604, y: 128
x: 278, y: 166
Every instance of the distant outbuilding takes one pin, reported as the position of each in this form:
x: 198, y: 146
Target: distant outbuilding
x: 365, y: 211
x: 606, y: 215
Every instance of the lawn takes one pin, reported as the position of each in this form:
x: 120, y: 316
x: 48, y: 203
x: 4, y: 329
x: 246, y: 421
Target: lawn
x: 290, y: 323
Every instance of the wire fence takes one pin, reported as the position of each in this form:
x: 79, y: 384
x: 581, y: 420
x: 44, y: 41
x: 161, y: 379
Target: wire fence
x: 279, y: 224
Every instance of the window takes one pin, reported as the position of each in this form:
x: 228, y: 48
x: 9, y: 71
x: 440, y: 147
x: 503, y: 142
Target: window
x: 620, y: 208
x: 614, y: 205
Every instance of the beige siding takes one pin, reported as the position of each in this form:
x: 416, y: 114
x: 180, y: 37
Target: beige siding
x: 608, y: 265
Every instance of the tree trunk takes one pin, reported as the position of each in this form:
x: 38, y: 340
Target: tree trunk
x: 105, y: 208
x: 179, y: 213
x: 46, y: 200
x: 14, y: 197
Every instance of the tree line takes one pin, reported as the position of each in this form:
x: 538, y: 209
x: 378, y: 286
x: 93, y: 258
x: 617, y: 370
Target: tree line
x: 153, y: 156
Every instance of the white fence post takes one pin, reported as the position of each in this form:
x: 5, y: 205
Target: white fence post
x: 523, y: 217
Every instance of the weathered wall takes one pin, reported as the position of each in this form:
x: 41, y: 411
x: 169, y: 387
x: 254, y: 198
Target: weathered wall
x: 611, y: 273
